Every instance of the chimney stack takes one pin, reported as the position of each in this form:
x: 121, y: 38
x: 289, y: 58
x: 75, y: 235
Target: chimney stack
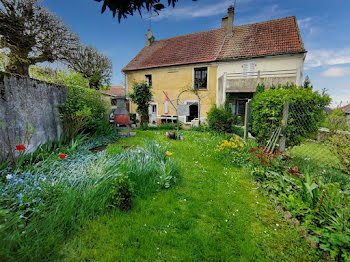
x: 227, y: 21
x: 149, y: 37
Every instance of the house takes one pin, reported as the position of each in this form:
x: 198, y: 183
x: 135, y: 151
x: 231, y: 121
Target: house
x: 225, y: 64
x: 113, y: 93
x: 346, y: 111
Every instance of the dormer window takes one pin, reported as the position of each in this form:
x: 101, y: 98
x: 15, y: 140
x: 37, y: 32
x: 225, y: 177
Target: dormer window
x: 201, y: 78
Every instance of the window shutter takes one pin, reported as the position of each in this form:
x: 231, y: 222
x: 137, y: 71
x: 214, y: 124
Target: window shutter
x: 252, y: 66
x: 244, y: 70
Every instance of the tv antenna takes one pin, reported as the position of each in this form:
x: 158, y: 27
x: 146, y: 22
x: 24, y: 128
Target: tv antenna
x: 150, y: 18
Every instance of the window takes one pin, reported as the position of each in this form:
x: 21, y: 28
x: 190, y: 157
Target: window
x: 249, y: 69
x: 149, y: 79
x: 193, y: 111
x: 154, y: 109
x: 200, y: 77
x: 113, y: 101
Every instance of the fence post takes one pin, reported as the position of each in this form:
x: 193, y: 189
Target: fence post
x: 284, y: 125
x: 246, y: 120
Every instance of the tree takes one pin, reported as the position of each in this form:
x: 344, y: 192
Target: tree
x: 92, y: 64
x: 60, y: 77
x: 129, y: 7
x: 307, y: 82
x: 32, y: 34
x: 141, y: 96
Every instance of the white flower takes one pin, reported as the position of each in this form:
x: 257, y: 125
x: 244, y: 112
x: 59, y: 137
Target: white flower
x: 236, y: 210
x: 277, y: 225
x: 185, y: 199
x: 8, y: 177
x: 275, y: 229
x: 226, y: 220
x: 165, y: 232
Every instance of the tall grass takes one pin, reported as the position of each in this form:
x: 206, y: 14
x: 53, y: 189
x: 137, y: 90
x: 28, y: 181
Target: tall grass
x: 77, y: 190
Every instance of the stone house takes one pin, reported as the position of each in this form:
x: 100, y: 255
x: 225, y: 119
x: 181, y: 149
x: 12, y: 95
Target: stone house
x: 112, y: 94
x: 346, y: 111
x: 225, y: 64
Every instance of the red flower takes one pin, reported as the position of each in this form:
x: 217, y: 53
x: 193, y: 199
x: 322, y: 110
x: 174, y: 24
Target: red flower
x: 20, y: 147
x: 62, y: 156
x: 252, y: 150
x: 249, y: 159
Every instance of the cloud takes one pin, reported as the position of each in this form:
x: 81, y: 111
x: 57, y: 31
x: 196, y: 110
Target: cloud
x: 192, y: 11
x: 304, y: 23
x: 336, y: 72
x: 322, y: 57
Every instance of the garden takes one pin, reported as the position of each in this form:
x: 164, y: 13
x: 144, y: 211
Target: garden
x: 212, y: 196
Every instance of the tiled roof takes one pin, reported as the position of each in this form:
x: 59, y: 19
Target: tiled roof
x: 273, y: 37
x: 115, y: 91
x: 346, y: 109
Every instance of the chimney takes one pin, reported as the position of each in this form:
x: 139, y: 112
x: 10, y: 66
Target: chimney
x: 227, y: 21
x: 149, y: 37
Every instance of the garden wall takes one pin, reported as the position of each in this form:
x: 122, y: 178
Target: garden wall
x: 23, y: 99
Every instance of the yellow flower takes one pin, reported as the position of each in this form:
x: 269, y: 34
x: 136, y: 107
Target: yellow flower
x: 168, y: 153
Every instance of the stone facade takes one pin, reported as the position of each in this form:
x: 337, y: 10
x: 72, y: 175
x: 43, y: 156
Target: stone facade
x: 23, y: 99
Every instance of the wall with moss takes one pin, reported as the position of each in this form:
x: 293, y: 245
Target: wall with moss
x: 23, y: 99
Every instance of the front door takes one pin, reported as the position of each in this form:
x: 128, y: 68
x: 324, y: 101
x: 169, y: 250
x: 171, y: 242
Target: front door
x: 153, y: 113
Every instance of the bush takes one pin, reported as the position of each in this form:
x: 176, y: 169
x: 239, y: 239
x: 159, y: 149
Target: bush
x: 220, y: 119
x: 121, y: 192
x: 85, y: 110
x: 336, y: 121
x: 267, y: 108
x: 237, y: 130
x: 340, y: 146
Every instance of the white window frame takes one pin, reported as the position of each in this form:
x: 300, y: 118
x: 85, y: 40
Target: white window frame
x: 193, y: 77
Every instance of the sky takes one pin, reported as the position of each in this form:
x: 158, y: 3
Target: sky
x: 324, y: 27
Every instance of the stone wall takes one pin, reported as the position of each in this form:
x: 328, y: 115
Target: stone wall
x: 23, y: 99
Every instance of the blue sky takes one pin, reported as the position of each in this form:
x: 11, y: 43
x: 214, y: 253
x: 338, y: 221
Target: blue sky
x: 324, y: 25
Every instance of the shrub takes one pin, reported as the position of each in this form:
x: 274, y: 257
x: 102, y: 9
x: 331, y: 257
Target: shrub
x: 141, y: 96
x: 85, y: 110
x: 237, y: 130
x: 340, y: 146
x: 121, y: 192
x: 267, y: 108
x: 336, y: 121
x: 220, y: 119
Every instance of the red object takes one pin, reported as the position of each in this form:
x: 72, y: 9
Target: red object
x: 20, y: 147
x: 122, y: 119
x: 62, y: 156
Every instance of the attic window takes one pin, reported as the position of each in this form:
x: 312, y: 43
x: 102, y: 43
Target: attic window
x: 201, y: 77
x: 249, y: 69
x: 148, y: 79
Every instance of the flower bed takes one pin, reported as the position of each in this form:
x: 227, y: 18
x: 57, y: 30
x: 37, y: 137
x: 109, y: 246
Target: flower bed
x: 43, y: 203
x: 316, y: 195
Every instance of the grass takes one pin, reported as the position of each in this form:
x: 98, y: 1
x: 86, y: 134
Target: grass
x: 315, y: 152
x: 215, y: 213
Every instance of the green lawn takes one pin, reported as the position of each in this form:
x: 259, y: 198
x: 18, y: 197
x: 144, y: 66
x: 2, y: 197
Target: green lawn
x: 315, y: 152
x: 215, y: 213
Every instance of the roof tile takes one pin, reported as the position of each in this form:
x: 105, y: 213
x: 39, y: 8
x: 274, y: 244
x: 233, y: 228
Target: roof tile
x: 272, y: 37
